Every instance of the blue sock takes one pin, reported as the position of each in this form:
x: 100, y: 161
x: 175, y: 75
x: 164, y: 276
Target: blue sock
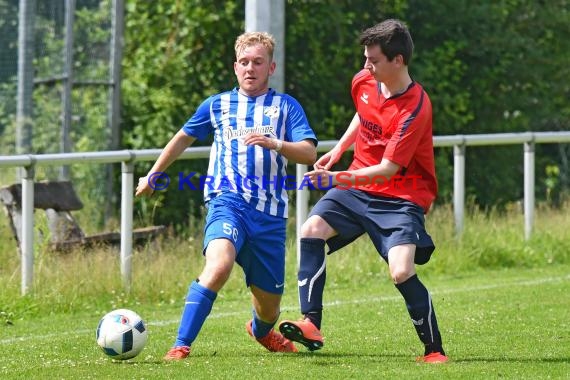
x: 312, y: 276
x: 198, y: 305
x: 420, y: 308
x: 259, y: 327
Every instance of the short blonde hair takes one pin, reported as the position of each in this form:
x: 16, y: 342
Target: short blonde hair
x: 255, y: 38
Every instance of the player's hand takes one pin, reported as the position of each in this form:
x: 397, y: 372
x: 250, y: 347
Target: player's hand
x: 328, y: 160
x: 144, y: 187
x: 260, y: 140
x: 321, y: 178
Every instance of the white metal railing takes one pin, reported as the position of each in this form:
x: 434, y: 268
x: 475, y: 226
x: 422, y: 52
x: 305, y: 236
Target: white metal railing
x: 127, y: 158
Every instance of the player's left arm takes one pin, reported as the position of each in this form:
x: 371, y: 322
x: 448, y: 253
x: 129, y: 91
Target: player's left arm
x: 301, y: 152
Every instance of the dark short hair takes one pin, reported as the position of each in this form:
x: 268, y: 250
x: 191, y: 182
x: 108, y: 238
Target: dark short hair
x: 392, y: 36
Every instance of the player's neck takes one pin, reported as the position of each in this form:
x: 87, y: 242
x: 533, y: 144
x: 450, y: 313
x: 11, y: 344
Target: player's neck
x: 253, y: 93
x: 397, y: 86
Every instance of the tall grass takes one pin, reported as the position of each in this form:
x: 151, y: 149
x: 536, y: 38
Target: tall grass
x: 90, y: 280
x: 495, y: 239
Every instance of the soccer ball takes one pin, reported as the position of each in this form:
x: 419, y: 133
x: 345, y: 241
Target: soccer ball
x: 121, y: 334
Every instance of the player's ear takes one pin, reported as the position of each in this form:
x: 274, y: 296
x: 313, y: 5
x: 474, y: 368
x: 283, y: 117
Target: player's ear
x: 399, y: 60
x: 272, y: 68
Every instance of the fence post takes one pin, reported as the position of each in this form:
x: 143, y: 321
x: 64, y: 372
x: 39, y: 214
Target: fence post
x: 302, y: 205
x: 27, y: 176
x: 459, y: 187
x: 127, y: 170
x: 67, y: 85
x: 528, y: 188
x: 24, y: 102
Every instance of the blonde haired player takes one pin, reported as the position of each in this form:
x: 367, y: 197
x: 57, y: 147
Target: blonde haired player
x: 256, y: 132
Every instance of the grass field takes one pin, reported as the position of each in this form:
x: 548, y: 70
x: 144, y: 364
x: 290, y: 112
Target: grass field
x: 496, y: 324
x: 502, y: 303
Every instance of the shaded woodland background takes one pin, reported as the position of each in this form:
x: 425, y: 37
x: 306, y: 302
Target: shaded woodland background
x: 489, y: 66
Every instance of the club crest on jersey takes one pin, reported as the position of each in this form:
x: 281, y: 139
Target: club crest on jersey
x: 271, y: 112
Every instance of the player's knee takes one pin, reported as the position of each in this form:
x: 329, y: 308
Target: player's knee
x: 214, y: 277
x: 400, y: 275
x: 308, y: 230
x: 315, y: 227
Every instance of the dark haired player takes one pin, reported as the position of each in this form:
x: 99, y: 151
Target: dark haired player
x: 392, y: 136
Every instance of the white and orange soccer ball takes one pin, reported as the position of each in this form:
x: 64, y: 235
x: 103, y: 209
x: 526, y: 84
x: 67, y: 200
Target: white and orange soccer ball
x: 121, y: 334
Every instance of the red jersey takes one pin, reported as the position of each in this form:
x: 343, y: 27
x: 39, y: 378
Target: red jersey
x: 399, y: 129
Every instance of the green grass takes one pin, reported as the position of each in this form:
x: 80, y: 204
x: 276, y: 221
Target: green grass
x: 502, y: 304
x: 496, y: 324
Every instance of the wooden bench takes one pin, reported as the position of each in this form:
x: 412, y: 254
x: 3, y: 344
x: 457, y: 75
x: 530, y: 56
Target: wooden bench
x: 58, y: 199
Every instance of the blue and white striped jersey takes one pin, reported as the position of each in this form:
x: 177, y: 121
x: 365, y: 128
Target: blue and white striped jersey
x: 258, y: 174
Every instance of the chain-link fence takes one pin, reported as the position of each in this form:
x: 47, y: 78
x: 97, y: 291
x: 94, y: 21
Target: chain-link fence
x: 68, y: 62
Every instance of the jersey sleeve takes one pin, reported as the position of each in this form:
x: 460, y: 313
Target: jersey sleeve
x: 297, y: 124
x: 412, y: 127
x: 200, y: 125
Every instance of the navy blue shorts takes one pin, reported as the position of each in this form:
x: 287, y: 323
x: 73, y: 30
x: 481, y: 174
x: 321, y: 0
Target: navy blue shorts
x: 388, y: 221
x: 259, y: 239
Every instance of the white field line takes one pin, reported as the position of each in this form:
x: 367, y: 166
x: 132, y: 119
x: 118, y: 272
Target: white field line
x: 539, y: 281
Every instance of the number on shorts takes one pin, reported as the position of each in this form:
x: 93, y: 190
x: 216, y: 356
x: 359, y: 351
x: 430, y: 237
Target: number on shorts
x: 231, y: 231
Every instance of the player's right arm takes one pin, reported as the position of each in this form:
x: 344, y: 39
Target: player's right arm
x: 345, y: 142
x: 169, y: 154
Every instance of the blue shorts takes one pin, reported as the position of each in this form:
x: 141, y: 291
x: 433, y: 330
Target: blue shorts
x: 388, y: 221
x: 259, y: 239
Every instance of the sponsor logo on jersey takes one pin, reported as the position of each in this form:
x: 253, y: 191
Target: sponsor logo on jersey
x: 232, y: 134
